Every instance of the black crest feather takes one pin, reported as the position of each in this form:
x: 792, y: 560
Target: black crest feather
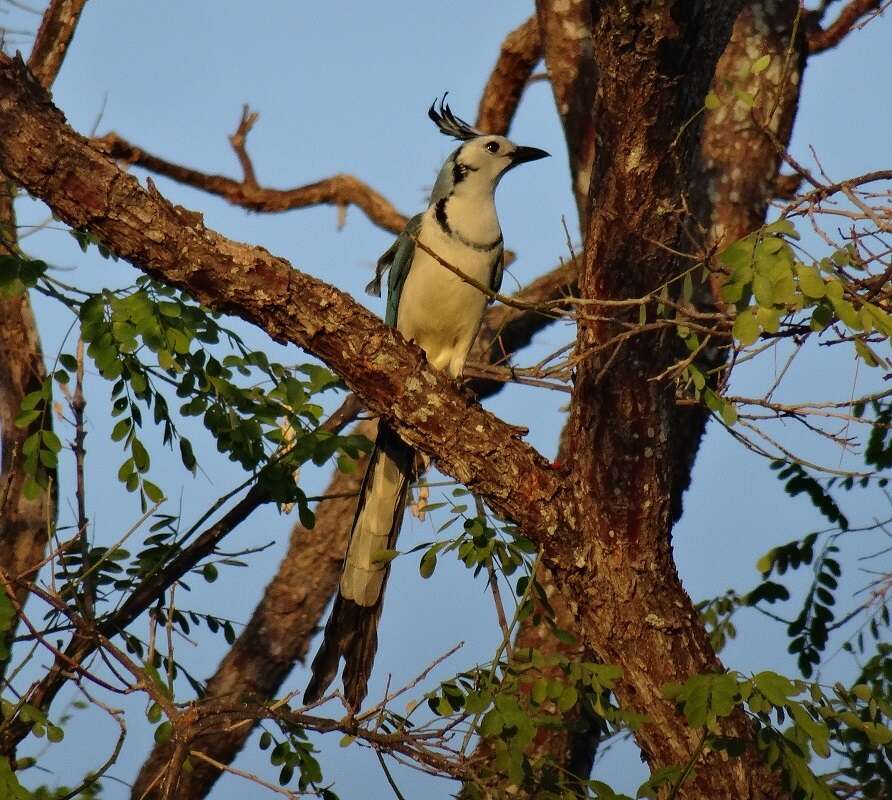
x: 449, y: 124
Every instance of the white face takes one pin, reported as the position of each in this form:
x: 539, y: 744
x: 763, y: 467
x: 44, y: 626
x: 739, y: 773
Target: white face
x: 487, y: 157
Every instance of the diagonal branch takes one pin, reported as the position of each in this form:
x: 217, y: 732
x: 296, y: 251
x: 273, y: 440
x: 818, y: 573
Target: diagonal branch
x: 392, y: 376
x: 278, y: 633
x: 519, y: 55
x: 339, y: 190
x: 53, y: 38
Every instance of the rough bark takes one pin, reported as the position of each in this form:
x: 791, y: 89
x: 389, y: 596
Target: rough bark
x: 742, y: 165
x: 53, y: 38
x: 391, y: 376
x: 566, y: 31
x: 24, y: 522
x: 655, y: 64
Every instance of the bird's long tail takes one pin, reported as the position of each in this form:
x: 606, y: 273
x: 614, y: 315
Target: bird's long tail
x: 352, y: 627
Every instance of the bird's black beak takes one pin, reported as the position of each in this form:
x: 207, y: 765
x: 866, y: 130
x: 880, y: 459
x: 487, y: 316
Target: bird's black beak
x: 523, y: 154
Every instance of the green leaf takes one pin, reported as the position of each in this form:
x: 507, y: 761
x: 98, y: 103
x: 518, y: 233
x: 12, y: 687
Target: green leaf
x: 51, y: 441
x: 140, y: 455
x: 154, y: 713
x: 746, y: 329
x: 539, y: 692
x: 492, y: 724
x: 810, y: 281
x: 846, y: 313
x: 867, y: 354
x: 306, y: 516
x: 760, y: 64
x: 55, y: 734
x: 121, y: 429
x: 24, y: 418
x: 712, y: 101
x: 776, y: 688
x: 186, y: 454
x: 163, y: 732
x: 746, y: 98
x: 9, y: 785
x: 153, y: 492
x: 384, y: 556
x: 428, y: 563
x: 729, y: 413
x: 568, y: 699
x: 125, y: 470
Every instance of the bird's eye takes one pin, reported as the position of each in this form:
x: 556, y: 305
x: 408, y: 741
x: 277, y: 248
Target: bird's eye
x: 493, y: 147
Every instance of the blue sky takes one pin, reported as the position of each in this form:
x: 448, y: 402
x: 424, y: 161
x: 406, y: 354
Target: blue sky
x: 344, y: 87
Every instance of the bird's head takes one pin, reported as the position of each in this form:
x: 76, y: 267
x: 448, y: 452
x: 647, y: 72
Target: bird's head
x: 482, y: 159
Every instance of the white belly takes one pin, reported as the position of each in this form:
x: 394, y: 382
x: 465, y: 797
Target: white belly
x: 439, y: 310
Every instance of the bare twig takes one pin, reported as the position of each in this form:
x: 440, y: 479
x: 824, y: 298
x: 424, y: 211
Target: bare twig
x: 850, y: 18
x: 338, y: 190
x: 250, y: 776
x: 239, y: 139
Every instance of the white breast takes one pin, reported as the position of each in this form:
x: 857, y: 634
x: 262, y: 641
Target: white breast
x: 439, y: 310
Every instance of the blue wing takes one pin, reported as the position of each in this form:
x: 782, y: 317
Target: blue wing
x: 397, y: 259
x: 498, y: 270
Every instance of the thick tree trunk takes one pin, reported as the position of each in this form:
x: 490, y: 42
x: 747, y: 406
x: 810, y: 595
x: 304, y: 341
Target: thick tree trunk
x: 655, y: 64
x: 741, y: 164
x: 24, y: 522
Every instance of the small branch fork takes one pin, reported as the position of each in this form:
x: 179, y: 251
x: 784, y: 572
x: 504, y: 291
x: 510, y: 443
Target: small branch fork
x: 239, y: 139
x: 339, y: 190
x: 427, y: 747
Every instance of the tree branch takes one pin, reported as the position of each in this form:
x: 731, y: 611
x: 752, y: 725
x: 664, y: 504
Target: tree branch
x: 53, y: 38
x: 169, y: 243
x: 339, y: 190
x: 655, y: 69
x: 566, y: 32
x: 822, y: 39
x: 519, y: 55
x: 23, y: 521
x: 278, y: 633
